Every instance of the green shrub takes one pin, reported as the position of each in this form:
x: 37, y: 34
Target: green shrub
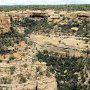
x: 22, y: 79
x: 5, y: 80
x: 0, y: 61
x: 25, y: 65
x: 11, y: 58
x: 12, y: 69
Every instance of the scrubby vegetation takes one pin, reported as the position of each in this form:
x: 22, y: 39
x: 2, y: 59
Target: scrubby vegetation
x: 34, y: 25
x: 84, y: 29
x: 12, y: 69
x: 22, y: 79
x: 11, y: 37
x: 5, y: 80
x: 83, y: 7
x: 70, y: 71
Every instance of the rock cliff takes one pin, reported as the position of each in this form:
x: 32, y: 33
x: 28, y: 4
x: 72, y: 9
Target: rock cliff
x: 4, y: 23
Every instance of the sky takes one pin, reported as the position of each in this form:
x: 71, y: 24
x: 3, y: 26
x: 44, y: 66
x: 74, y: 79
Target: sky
x: 42, y: 2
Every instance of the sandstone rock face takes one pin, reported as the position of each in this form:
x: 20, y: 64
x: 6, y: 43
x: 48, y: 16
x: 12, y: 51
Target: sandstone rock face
x: 84, y: 15
x: 4, y: 23
x: 53, y: 17
x: 38, y: 14
x: 19, y: 15
x: 47, y: 84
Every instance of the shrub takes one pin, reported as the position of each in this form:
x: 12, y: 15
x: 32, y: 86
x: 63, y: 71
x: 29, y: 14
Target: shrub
x: 12, y: 69
x: 25, y: 65
x: 22, y: 79
x: 5, y: 80
x: 0, y: 61
x: 11, y: 58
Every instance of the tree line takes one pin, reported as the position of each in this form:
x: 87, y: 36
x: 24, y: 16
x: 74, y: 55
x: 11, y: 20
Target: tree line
x: 71, y: 7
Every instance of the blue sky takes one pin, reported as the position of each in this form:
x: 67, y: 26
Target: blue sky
x: 30, y: 2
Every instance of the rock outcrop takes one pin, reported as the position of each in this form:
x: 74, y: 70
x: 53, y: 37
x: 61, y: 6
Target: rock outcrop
x: 53, y: 17
x: 4, y: 23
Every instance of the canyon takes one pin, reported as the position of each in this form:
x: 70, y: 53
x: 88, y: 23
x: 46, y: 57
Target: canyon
x: 20, y: 69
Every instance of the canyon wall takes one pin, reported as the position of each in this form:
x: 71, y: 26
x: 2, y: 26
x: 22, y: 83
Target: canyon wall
x: 4, y: 23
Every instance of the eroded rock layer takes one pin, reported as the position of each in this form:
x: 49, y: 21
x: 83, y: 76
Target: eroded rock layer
x: 4, y: 23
